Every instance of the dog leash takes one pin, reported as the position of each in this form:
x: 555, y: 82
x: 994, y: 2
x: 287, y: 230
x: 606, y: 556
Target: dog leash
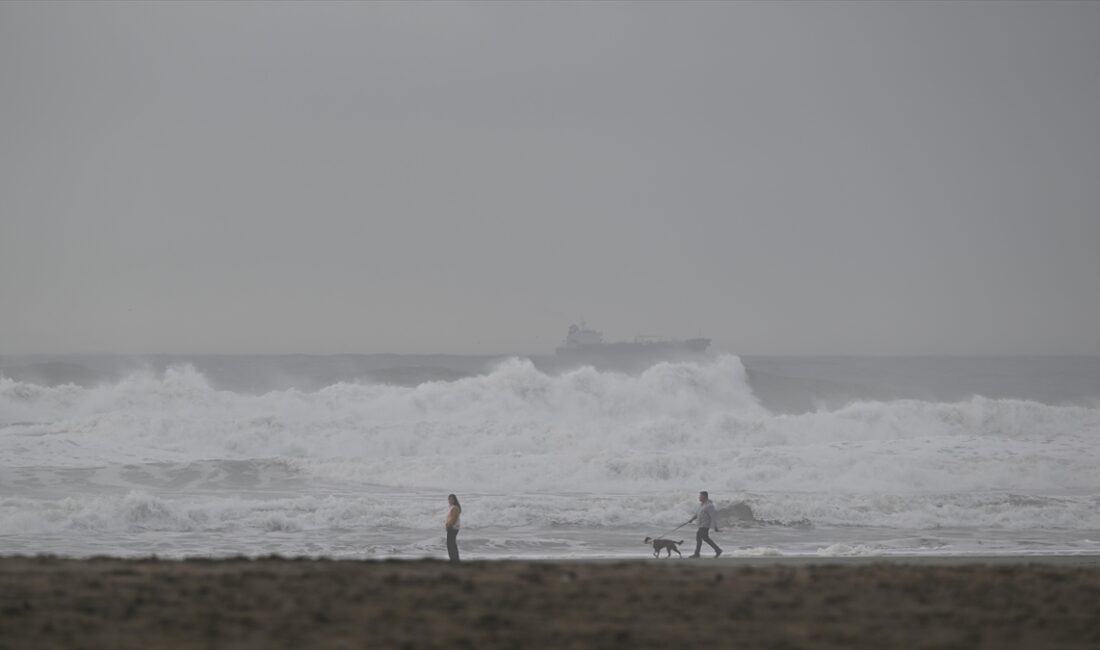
x: 675, y: 529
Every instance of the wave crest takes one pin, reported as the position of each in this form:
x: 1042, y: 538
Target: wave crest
x: 683, y: 425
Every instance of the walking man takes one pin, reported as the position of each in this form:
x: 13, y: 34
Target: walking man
x: 708, y: 519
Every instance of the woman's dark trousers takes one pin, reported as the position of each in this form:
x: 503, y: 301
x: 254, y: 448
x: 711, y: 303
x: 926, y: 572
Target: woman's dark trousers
x: 452, y: 544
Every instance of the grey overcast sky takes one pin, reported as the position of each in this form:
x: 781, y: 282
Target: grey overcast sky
x: 822, y: 178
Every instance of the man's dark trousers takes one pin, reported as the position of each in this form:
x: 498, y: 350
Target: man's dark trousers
x: 702, y: 535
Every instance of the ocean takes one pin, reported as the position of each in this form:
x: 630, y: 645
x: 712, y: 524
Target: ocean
x: 352, y: 456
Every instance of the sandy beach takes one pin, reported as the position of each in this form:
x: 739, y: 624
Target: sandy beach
x: 766, y: 603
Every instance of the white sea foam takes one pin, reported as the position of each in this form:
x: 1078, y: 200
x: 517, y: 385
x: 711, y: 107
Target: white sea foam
x: 848, y: 550
x: 586, y: 448
x: 755, y: 551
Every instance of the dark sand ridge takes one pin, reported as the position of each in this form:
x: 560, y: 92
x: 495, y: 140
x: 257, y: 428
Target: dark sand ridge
x: 276, y: 603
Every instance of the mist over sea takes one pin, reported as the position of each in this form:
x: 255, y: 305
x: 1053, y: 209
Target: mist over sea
x: 353, y: 455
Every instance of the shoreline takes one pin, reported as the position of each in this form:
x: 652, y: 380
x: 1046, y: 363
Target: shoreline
x: 727, y: 560
x: 910, y: 602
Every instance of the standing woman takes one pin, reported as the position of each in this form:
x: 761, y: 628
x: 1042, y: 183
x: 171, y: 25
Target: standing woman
x: 451, y: 524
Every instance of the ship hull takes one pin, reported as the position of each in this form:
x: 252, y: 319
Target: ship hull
x: 630, y: 356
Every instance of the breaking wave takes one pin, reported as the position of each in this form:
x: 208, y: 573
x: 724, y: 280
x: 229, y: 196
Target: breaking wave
x: 170, y: 452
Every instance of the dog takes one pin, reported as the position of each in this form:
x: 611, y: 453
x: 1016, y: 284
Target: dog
x: 666, y: 545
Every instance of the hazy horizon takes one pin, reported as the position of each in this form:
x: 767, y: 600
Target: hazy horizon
x: 826, y: 179
x: 521, y: 354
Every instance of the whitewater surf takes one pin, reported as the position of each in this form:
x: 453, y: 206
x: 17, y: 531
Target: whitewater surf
x: 570, y: 465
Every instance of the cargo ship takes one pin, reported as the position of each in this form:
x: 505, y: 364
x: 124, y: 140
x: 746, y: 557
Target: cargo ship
x: 587, y: 346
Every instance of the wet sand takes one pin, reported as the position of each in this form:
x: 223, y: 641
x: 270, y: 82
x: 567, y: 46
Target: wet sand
x: 762, y: 603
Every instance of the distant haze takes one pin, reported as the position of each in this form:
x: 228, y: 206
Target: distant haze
x: 785, y: 178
